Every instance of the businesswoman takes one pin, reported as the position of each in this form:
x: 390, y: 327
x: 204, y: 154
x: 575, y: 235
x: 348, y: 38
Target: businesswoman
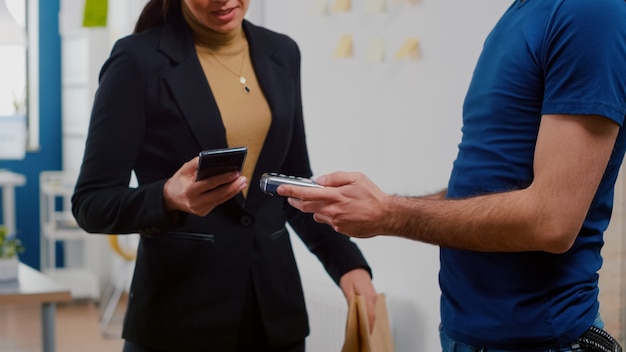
x: 215, y: 268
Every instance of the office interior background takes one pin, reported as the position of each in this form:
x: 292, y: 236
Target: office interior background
x: 383, y: 86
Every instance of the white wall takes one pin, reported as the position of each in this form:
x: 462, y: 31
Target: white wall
x: 397, y: 121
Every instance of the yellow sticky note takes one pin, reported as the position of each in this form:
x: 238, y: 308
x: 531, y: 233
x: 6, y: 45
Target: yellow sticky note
x: 342, y: 5
x: 345, y: 47
x: 377, y: 6
x: 376, y: 51
x: 95, y: 13
x: 321, y: 7
x: 410, y: 49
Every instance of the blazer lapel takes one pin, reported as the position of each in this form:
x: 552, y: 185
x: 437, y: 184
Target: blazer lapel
x: 193, y: 96
x: 199, y: 108
x: 274, y: 81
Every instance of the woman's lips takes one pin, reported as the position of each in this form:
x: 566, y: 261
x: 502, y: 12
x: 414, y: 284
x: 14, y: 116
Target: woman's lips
x: 224, y: 15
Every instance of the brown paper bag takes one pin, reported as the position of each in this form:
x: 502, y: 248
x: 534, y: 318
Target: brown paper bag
x: 358, y: 338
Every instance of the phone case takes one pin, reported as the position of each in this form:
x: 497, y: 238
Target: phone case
x: 218, y: 161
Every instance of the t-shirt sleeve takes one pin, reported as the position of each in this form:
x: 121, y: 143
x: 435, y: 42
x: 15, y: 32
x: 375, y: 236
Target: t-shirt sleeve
x: 583, y: 58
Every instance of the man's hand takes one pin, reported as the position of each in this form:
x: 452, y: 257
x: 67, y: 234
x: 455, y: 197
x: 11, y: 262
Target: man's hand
x: 349, y: 202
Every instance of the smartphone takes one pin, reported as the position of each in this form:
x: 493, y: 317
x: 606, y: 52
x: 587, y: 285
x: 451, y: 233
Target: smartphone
x: 218, y: 161
x: 270, y: 182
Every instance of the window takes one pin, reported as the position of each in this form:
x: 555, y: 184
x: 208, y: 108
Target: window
x: 13, y: 96
x: 19, y: 70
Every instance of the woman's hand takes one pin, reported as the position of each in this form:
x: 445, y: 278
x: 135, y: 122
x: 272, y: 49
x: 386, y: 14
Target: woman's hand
x: 359, y: 282
x: 182, y: 191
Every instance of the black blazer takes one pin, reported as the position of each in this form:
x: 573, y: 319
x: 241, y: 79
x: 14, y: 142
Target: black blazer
x: 154, y: 111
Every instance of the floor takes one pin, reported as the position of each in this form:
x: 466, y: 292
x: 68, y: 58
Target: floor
x: 77, y: 328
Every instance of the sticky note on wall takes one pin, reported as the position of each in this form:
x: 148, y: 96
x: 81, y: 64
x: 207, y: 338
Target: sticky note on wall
x: 345, y: 47
x: 377, y: 6
x: 376, y: 51
x: 95, y: 14
x: 342, y: 6
x: 321, y: 7
x: 410, y: 49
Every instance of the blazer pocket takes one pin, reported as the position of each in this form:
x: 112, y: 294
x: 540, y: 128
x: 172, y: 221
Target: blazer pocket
x: 177, y: 258
x: 185, y: 274
x: 279, y: 234
x: 205, y: 237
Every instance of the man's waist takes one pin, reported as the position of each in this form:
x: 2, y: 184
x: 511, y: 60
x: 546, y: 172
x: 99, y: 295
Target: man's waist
x: 593, y: 340
x: 598, y: 340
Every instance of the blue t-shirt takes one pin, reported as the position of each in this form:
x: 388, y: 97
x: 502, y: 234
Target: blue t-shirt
x: 542, y: 57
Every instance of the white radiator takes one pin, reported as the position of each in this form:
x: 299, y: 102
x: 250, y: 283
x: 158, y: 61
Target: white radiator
x: 327, y: 310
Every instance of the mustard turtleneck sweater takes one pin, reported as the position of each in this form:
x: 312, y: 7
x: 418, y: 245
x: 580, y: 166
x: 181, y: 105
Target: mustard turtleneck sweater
x: 245, y: 112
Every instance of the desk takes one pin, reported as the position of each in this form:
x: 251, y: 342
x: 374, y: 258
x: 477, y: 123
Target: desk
x: 8, y: 181
x: 34, y: 287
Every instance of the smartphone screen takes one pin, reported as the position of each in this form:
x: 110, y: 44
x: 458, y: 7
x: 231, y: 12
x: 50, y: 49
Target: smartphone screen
x: 218, y: 161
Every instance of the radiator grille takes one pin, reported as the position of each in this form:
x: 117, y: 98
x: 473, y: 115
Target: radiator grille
x: 327, y: 310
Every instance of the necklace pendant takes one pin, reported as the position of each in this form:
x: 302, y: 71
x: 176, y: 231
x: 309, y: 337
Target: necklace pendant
x: 243, y: 81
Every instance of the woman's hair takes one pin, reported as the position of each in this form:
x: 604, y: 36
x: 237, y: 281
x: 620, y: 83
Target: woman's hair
x: 155, y: 13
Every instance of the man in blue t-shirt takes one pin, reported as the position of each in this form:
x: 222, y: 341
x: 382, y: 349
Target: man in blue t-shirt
x: 521, y: 223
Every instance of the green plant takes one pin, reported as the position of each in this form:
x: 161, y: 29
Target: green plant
x: 10, y: 246
x: 19, y: 101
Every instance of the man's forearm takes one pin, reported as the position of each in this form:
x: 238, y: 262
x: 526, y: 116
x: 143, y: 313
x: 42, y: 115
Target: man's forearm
x: 435, y: 196
x: 496, y: 223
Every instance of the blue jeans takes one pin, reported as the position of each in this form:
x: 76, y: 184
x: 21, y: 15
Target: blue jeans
x: 449, y: 345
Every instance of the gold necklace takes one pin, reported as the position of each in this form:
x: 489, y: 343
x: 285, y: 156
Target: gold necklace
x: 242, y: 79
